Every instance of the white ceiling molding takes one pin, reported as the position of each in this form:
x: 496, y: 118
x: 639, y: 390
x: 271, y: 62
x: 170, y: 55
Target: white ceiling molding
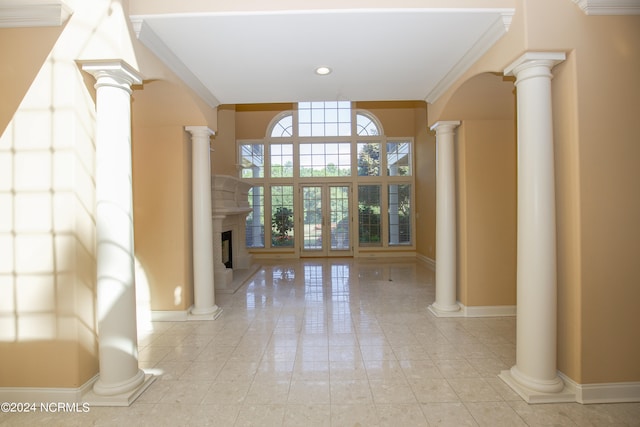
x: 488, y: 39
x: 375, y: 54
x: 30, y: 13
x: 151, y: 40
x: 609, y: 7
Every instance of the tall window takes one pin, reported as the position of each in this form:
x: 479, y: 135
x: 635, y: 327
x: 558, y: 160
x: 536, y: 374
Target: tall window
x: 255, y: 218
x: 282, y: 216
x: 369, y: 209
x: 329, y: 142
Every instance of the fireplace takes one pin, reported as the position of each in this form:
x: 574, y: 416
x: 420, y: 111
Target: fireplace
x: 230, y: 206
x: 227, y: 249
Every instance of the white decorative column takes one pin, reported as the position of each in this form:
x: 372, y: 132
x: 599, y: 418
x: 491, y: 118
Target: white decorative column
x: 204, y: 305
x: 120, y: 380
x: 535, y: 375
x: 446, y: 304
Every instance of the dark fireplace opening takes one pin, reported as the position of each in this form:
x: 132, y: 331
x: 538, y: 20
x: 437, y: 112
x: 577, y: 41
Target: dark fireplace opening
x: 227, y: 250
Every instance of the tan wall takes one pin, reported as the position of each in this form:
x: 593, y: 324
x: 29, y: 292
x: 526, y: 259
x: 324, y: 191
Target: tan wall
x: 595, y: 133
x: 253, y: 120
x: 162, y: 191
x: 608, y: 65
x: 486, y: 189
x: 487, y: 212
x: 17, y: 69
x: 162, y: 215
x: 425, y: 204
x: 48, y: 331
x: 224, y: 156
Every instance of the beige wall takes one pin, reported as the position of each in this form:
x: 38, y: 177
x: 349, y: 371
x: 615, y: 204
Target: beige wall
x: 486, y: 212
x: 595, y: 135
x: 608, y: 89
x: 48, y: 327
x: 596, y: 132
x: 162, y: 190
x: 17, y: 69
x: 486, y: 189
x: 162, y: 215
x: 425, y: 203
x: 224, y: 157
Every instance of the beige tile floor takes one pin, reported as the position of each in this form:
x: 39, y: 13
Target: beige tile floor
x: 333, y: 343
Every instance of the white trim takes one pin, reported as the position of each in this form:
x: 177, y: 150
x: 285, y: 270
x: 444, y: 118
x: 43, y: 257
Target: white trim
x: 182, y: 315
x: 609, y: 7
x: 476, y: 311
x: 604, y: 392
x: 45, y: 13
x: 488, y: 310
x: 123, y: 399
x: 431, y: 263
x: 151, y: 40
x: 383, y: 255
x: 170, y: 315
x: 499, y: 28
x: 567, y: 395
x: 46, y: 394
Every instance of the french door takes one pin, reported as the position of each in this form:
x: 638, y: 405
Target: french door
x: 326, y: 220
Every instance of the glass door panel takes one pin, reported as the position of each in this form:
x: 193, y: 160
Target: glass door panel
x: 326, y: 220
x: 340, y: 218
x: 312, y: 218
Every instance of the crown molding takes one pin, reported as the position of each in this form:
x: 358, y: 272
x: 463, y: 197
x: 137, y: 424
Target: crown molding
x: 29, y: 13
x: 498, y: 29
x: 609, y: 7
x: 150, y: 39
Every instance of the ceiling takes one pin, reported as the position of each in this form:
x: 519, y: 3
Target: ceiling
x: 374, y: 54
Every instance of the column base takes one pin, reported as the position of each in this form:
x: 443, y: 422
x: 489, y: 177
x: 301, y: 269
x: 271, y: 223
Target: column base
x: 454, y: 310
x: 209, y: 313
x: 564, y: 395
x: 121, y: 399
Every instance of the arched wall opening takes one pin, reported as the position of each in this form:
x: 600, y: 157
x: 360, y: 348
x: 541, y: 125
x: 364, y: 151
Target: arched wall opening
x: 486, y: 191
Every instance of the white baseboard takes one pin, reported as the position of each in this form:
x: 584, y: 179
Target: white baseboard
x: 182, y: 315
x: 428, y: 261
x: 170, y: 315
x: 604, y: 392
x: 488, y: 310
x: 46, y: 395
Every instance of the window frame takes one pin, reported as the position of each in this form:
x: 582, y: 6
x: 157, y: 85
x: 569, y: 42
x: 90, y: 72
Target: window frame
x: 354, y: 180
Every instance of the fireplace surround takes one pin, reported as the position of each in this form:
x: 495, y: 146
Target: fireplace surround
x: 230, y: 206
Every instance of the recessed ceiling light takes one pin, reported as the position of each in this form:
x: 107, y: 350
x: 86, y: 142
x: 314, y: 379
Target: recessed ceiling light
x: 323, y: 71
